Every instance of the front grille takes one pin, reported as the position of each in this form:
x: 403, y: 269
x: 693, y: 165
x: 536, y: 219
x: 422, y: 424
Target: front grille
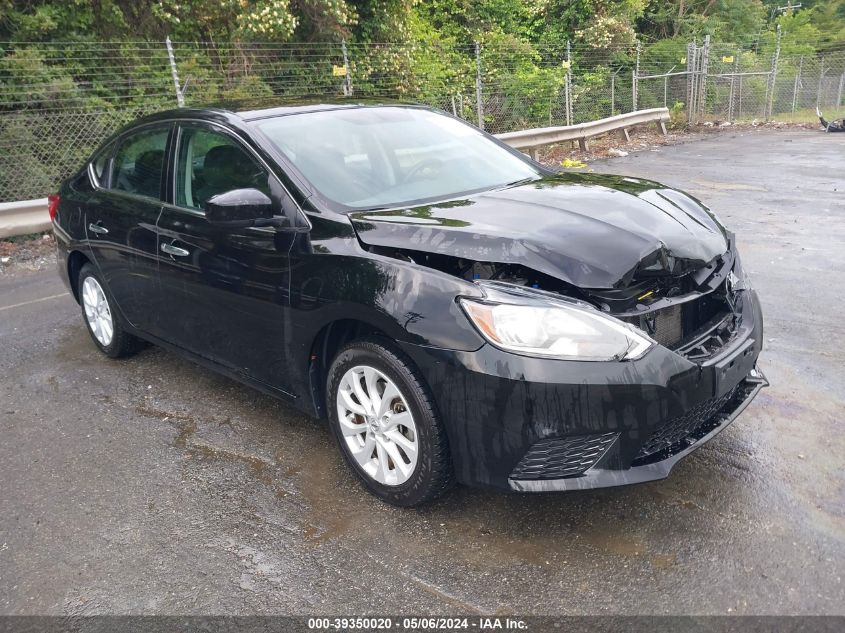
x: 680, y: 432
x: 559, y: 457
x: 682, y: 327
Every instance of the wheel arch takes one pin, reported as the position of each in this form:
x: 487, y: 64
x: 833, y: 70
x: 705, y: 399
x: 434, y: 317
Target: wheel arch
x: 75, y: 261
x: 326, y: 345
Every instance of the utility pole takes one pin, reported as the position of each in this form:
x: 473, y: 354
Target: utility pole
x: 789, y: 7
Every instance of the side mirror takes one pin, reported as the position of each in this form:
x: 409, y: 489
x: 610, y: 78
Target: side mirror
x: 240, y: 208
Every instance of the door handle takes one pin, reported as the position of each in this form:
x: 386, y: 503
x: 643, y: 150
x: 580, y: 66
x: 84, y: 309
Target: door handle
x: 98, y: 229
x: 174, y: 250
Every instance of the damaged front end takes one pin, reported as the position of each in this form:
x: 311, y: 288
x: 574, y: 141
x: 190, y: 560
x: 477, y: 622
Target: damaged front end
x: 694, y: 313
x: 553, y: 418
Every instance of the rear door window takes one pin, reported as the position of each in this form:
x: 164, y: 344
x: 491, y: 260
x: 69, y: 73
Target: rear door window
x: 138, y: 165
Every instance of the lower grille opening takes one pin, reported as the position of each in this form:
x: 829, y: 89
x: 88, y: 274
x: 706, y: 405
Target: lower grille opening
x: 681, y: 432
x: 559, y: 457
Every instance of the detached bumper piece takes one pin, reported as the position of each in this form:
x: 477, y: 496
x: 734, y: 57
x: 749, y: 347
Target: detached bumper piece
x: 553, y: 464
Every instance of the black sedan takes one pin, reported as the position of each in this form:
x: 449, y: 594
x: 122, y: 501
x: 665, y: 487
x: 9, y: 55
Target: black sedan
x: 456, y: 310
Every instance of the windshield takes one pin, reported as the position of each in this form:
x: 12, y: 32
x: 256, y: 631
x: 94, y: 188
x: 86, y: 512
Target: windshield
x: 389, y: 156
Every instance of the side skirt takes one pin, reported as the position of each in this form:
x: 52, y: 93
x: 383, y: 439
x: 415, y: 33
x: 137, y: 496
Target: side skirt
x: 241, y: 377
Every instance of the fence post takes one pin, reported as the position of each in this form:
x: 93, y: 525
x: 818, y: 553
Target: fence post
x: 773, y: 75
x: 733, y: 88
x: 567, y: 86
x: 636, y: 80
x: 797, y: 83
x: 705, y: 68
x: 613, y: 93
x: 690, y: 81
x: 821, y: 82
x: 479, y: 106
x: 841, y: 86
x: 347, y: 80
x: 180, y: 98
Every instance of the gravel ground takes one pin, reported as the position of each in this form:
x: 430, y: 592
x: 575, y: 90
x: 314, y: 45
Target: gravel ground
x: 153, y: 486
x: 27, y: 253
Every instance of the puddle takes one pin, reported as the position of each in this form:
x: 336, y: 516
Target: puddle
x: 186, y: 425
x: 259, y: 468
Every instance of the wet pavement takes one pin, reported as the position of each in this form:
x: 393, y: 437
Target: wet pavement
x: 153, y: 486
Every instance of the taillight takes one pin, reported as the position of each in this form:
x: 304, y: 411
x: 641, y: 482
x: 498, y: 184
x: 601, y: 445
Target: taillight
x: 53, y: 206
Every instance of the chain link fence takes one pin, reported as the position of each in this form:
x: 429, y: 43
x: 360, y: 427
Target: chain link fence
x: 59, y: 101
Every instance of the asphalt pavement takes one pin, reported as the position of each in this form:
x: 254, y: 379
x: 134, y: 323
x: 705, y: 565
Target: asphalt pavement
x: 150, y: 485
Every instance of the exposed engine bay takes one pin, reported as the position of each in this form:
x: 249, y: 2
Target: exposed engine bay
x: 694, y: 313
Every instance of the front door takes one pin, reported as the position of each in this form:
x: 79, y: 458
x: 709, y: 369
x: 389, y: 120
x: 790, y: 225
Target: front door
x: 226, y: 289
x: 120, y: 222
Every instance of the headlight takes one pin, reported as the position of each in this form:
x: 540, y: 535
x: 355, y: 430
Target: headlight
x: 556, y: 329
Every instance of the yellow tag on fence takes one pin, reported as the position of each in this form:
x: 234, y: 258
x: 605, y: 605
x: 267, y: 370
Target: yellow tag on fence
x: 339, y: 71
x: 729, y: 59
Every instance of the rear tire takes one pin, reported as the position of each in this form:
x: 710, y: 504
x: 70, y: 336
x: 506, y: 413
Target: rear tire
x: 393, y: 439
x: 101, y: 317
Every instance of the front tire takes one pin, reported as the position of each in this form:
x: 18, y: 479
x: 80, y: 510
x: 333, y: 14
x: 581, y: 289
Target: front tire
x: 386, y: 424
x: 101, y: 317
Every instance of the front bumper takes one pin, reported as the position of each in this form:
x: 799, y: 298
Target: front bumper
x: 508, y: 417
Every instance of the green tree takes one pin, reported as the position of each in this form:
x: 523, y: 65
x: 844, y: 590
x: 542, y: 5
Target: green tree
x: 727, y: 20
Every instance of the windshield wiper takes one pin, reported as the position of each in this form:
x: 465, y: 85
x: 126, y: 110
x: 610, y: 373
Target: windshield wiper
x: 521, y: 181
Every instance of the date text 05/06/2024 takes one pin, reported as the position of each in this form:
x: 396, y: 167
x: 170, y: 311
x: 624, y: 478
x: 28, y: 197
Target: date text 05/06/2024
x: 417, y: 624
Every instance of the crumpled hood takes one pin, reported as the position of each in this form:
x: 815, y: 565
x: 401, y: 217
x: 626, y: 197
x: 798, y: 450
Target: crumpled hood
x: 593, y: 231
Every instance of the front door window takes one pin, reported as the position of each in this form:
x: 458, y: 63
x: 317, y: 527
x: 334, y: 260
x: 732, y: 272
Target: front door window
x: 212, y: 163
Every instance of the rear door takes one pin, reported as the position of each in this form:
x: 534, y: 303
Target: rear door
x: 226, y: 289
x: 120, y: 221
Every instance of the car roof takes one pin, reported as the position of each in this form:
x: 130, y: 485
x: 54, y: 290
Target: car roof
x: 253, y: 110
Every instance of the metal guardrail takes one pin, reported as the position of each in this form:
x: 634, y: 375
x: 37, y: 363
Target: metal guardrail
x: 21, y: 218
x: 535, y: 138
x: 31, y: 216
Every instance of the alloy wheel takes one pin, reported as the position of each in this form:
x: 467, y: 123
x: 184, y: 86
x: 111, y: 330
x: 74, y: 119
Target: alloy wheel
x: 97, y: 311
x: 377, y: 425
